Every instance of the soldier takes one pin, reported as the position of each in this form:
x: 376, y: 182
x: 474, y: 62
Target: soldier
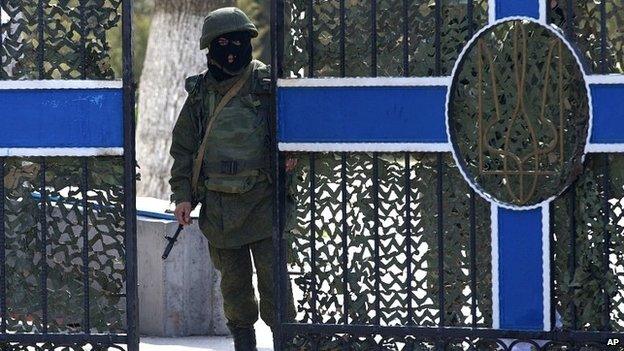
x: 221, y: 152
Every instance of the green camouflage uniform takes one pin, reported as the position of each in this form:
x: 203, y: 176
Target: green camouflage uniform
x: 236, y: 207
x: 235, y: 188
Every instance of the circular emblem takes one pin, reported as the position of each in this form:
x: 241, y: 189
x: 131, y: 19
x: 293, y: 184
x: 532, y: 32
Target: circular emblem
x: 518, y: 113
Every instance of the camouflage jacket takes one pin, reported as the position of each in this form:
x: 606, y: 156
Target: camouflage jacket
x: 236, y: 209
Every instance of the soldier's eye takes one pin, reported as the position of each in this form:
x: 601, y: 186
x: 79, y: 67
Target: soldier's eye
x: 223, y: 41
x: 236, y: 42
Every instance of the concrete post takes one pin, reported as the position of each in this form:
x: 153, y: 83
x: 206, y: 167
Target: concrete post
x: 179, y: 296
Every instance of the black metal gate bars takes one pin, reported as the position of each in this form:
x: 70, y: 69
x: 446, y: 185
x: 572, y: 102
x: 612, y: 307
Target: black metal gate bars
x: 68, y: 243
x: 392, y: 251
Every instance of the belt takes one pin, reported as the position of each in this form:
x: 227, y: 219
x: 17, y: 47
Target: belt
x: 233, y: 167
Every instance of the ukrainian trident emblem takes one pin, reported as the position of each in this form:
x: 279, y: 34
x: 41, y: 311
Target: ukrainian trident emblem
x: 518, y: 113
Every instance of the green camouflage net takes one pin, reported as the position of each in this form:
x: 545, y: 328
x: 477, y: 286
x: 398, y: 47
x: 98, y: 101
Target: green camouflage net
x: 407, y: 272
x: 64, y: 216
x: 590, y: 286
x: 62, y: 39
x: 588, y: 231
x: 587, y: 277
x: 59, y: 39
x: 454, y: 31
x: 585, y: 30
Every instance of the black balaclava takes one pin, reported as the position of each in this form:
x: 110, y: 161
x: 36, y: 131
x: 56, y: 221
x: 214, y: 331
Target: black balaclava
x: 219, y: 55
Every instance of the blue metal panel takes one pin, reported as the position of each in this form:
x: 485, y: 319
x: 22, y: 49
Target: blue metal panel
x: 507, y: 8
x: 608, y: 104
x: 362, y: 114
x: 61, y: 118
x: 520, y: 269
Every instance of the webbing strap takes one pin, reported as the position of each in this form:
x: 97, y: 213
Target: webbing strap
x: 197, y: 165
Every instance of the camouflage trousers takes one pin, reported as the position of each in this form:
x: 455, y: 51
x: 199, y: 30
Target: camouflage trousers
x: 239, y: 299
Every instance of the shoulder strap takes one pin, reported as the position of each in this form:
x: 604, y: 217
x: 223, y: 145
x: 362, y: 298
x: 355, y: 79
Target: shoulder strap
x: 197, y: 165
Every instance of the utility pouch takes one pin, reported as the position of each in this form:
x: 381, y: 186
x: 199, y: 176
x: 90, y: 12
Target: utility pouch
x: 233, y: 184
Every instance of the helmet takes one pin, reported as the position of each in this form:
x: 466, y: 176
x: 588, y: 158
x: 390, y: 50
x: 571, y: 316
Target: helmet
x: 225, y: 20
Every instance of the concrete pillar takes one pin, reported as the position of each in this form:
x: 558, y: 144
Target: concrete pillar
x: 179, y: 296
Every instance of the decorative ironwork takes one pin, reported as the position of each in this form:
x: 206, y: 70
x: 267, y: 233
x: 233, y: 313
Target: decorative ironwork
x: 522, y: 89
x: 587, y: 262
x: 416, y: 341
x: 352, y: 208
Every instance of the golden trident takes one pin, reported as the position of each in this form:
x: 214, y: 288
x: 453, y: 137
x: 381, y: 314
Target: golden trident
x: 522, y: 167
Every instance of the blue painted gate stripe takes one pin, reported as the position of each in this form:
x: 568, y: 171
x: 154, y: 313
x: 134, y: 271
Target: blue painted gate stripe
x: 608, y: 105
x: 362, y: 114
x: 507, y: 8
x: 520, y: 269
x: 61, y: 118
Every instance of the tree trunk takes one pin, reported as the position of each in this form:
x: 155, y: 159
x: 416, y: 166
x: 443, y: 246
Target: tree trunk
x: 172, y: 55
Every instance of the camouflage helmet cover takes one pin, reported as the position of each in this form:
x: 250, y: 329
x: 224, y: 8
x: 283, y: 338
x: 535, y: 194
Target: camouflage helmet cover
x: 225, y: 20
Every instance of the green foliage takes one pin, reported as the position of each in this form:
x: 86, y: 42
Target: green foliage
x: 259, y: 12
x: 142, y: 19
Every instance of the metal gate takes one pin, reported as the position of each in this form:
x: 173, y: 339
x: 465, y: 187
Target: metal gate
x: 399, y: 234
x: 67, y: 177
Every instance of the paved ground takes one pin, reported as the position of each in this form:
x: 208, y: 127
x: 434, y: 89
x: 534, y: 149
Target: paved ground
x: 205, y: 343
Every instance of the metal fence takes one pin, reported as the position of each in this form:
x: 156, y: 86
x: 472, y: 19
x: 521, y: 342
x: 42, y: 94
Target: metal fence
x: 68, y: 243
x: 392, y: 251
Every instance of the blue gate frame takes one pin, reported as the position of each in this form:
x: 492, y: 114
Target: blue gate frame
x: 318, y: 115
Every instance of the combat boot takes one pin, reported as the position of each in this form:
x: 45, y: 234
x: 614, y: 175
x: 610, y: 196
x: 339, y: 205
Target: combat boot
x: 244, y: 338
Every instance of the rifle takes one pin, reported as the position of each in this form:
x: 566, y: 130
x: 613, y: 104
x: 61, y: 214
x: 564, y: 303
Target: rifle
x: 172, y: 240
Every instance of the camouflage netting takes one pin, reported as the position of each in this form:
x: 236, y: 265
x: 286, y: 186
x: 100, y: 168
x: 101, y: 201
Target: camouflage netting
x: 585, y: 30
x: 408, y: 253
x: 407, y: 247
x: 58, y: 39
x: 587, y: 272
x: 588, y: 231
x: 62, y: 39
x: 454, y: 30
x: 65, y: 185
